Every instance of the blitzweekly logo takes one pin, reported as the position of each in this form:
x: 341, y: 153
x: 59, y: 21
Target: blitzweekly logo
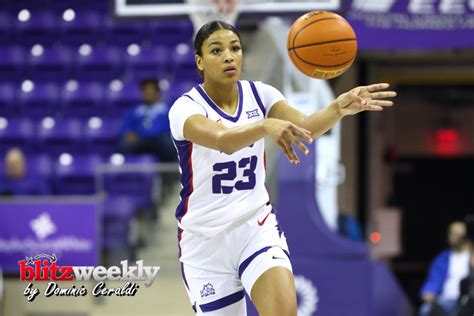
x: 45, y: 268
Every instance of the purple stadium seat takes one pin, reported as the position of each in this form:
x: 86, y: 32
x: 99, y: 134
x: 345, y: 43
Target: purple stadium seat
x: 120, y: 101
x: 54, y: 64
x: 85, y: 28
x: 118, y: 212
x: 14, y: 6
x: 171, y: 32
x: 60, y: 6
x: 16, y: 133
x: 76, y: 176
x: 41, y: 27
x: 125, y: 32
x: 119, y: 206
x: 40, y: 166
x: 8, y: 104
x: 137, y: 185
x: 12, y: 62
x: 6, y: 29
x: 100, y: 64
x: 177, y: 88
x: 148, y: 62
x: 100, y: 6
x: 84, y: 101
x: 102, y: 135
x: 64, y: 136
x: 42, y: 101
x: 183, y: 62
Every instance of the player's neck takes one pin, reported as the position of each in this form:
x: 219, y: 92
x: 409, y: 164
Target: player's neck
x: 225, y: 96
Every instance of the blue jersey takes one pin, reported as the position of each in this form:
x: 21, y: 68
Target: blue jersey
x: 147, y: 120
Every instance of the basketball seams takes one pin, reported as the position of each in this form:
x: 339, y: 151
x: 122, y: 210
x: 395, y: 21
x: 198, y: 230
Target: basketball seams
x: 324, y: 66
x: 321, y: 43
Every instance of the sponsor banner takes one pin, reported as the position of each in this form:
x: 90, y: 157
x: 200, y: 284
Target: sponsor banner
x: 412, y: 24
x: 68, y: 230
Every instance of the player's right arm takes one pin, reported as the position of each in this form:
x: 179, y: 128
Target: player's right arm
x: 205, y: 132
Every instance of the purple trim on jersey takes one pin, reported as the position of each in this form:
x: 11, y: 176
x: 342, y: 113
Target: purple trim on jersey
x: 217, y: 109
x: 184, y: 276
x: 187, y: 95
x: 222, y: 302
x: 247, y: 261
x: 185, y: 149
x: 180, y: 235
x: 257, y: 98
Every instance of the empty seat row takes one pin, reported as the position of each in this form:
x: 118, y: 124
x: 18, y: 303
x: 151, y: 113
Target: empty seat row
x: 68, y: 174
x: 54, y: 137
x: 55, y: 5
x: 58, y: 63
x: 73, y: 98
x: 74, y: 27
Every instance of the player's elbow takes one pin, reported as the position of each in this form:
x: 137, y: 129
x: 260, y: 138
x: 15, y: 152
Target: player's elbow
x: 223, y: 143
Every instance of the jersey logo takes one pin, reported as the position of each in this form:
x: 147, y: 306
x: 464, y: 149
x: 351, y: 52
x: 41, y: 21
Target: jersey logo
x: 263, y: 221
x: 207, y: 290
x: 252, y: 113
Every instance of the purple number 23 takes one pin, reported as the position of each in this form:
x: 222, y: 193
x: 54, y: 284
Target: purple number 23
x: 230, y: 173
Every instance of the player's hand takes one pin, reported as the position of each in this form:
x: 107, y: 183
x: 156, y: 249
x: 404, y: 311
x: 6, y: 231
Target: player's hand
x: 364, y: 98
x: 286, y: 134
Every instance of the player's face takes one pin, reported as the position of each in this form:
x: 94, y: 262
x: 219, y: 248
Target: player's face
x: 221, y: 57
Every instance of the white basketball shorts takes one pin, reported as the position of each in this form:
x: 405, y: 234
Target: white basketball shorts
x: 216, y: 271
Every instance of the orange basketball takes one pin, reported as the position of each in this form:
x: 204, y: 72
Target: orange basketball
x: 322, y: 44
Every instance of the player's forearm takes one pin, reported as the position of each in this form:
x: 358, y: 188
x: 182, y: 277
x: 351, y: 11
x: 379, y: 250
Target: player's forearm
x: 233, y: 139
x: 322, y: 121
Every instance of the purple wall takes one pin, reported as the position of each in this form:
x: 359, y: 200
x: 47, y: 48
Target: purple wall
x: 334, y: 276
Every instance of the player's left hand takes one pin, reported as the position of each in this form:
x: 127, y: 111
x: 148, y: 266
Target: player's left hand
x: 364, y: 98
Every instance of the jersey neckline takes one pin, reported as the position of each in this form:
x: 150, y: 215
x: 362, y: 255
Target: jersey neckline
x: 218, y: 109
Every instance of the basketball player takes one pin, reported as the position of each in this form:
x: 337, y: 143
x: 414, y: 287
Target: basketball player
x: 229, y: 237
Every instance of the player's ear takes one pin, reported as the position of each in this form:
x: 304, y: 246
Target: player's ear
x: 199, y: 62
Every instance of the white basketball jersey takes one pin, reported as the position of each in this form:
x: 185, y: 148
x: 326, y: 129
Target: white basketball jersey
x: 219, y: 189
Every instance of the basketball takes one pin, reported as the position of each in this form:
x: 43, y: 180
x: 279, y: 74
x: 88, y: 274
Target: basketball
x: 322, y: 44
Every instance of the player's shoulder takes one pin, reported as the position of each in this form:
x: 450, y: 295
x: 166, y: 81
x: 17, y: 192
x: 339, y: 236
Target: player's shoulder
x: 256, y: 85
x: 250, y: 83
x: 187, y: 97
x: 188, y: 102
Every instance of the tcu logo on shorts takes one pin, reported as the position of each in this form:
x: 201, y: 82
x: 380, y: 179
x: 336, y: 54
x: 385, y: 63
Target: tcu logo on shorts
x: 207, y: 290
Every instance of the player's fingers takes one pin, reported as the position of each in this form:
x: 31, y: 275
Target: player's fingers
x: 302, y: 133
x: 297, y: 143
x: 287, y: 151
x: 381, y: 95
x: 373, y: 108
x: 301, y: 147
x: 291, y: 152
x: 380, y: 102
x: 377, y: 86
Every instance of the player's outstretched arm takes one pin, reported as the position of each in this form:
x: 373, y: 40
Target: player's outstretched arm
x: 363, y: 98
x: 205, y: 132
